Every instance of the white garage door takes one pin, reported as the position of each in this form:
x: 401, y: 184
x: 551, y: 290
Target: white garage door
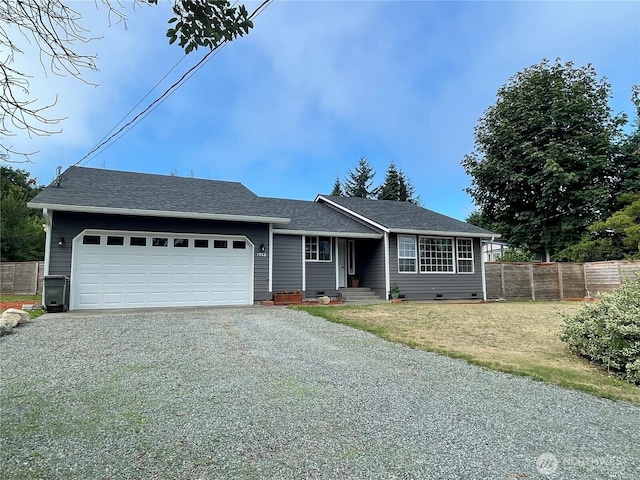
x: 136, y: 270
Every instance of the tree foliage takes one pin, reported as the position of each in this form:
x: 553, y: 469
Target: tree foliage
x: 55, y: 28
x: 617, y: 237
x: 396, y: 186
x: 522, y: 255
x: 359, y: 180
x: 337, y: 188
x: 543, y: 166
x: 21, y: 232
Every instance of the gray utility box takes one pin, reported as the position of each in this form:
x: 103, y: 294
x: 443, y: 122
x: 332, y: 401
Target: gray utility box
x: 55, y: 293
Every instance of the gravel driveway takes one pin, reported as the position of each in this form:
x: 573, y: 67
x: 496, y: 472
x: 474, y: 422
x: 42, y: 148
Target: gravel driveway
x: 274, y: 393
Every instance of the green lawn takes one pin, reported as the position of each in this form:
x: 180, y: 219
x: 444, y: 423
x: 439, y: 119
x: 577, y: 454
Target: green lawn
x: 520, y: 338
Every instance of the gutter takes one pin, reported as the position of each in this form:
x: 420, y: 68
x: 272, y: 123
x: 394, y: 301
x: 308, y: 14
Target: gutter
x: 159, y: 213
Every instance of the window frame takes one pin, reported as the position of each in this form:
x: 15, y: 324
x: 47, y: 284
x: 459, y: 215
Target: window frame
x: 316, y: 240
x: 453, y: 256
x: 458, y: 258
x: 404, y: 257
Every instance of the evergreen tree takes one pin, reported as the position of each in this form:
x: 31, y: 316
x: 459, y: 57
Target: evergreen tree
x: 396, y: 186
x: 358, y: 184
x: 337, y: 188
x: 390, y: 189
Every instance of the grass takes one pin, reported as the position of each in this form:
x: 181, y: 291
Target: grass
x: 25, y: 299
x: 21, y: 298
x: 519, y: 338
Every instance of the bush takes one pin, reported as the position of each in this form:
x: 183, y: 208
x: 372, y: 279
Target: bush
x: 608, y: 332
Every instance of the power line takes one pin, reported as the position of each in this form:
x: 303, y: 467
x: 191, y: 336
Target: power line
x: 168, y: 92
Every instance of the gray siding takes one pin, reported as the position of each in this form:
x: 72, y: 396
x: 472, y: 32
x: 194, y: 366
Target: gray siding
x: 287, y: 262
x: 370, y: 265
x: 287, y: 268
x: 321, y: 277
x: 426, y: 286
x: 69, y: 225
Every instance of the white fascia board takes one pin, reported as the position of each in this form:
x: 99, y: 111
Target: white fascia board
x: 438, y: 233
x: 159, y: 213
x: 351, y: 212
x: 278, y: 231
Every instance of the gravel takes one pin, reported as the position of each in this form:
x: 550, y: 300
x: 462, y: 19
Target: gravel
x: 275, y: 393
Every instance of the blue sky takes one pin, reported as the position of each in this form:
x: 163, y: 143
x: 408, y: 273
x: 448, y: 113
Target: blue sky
x: 316, y: 85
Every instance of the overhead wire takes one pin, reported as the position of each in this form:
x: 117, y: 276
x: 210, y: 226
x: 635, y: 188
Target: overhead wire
x: 111, y: 138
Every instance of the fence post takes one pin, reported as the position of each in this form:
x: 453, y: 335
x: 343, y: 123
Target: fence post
x: 586, y: 284
x: 532, y: 283
x: 560, y: 284
x: 502, y: 280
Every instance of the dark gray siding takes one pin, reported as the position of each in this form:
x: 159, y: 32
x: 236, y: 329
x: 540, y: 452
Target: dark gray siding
x: 69, y: 225
x: 287, y: 268
x: 287, y: 262
x: 370, y: 265
x: 321, y: 277
x: 426, y: 286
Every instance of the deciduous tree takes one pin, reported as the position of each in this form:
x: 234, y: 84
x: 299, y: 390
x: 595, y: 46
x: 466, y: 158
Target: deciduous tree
x: 21, y: 232
x: 57, y: 30
x: 543, y: 162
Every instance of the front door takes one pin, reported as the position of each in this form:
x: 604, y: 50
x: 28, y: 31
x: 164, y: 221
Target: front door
x: 346, y: 261
x: 342, y: 263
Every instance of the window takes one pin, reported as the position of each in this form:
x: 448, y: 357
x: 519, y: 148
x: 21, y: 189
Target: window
x: 198, y: 243
x: 219, y: 244
x: 115, y: 240
x: 91, y: 240
x: 241, y: 244
x: 465, y: 255
x: 436, y: 255
x: 181, y: 242
x: 406, y: 254
x: 317, y: 249
x: 160, y: 242
x: 138, y: 241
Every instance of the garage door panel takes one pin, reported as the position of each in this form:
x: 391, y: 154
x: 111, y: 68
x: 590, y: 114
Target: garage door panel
x: 121, y: 276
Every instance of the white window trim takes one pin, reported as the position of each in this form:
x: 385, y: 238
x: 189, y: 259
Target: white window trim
x: 473, y: 260
x: 454, y: 246
x: 415, y: 258
x: 317, y: 259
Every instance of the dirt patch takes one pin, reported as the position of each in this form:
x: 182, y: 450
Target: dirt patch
x: 14, y: 304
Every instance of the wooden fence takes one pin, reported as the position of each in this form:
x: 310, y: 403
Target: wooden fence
x: 21, y: 278
x: 556, y: 281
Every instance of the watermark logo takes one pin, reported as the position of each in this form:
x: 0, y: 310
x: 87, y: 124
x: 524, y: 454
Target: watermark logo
x: 547, y: 463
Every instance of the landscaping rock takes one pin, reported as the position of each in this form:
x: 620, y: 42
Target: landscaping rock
x: 324, y: 300
x: 5, y: 326
x: 15, y: 316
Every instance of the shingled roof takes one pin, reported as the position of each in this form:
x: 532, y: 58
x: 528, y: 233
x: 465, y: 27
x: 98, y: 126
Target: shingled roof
x: 317, y: 218
x: 111, y: 191
x: 403, y: 217
x: 96, y: 190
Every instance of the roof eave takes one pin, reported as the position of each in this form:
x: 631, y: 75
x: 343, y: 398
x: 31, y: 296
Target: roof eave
x: 285, y: 231
x: 159, y: 213
x: 351, y: 212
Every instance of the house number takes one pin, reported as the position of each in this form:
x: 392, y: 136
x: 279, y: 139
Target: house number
x: 261, y: 254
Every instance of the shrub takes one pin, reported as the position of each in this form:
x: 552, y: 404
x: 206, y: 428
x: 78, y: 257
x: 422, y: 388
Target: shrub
x: 608, y: 332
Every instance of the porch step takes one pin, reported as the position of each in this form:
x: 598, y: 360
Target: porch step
x: 358, y: 295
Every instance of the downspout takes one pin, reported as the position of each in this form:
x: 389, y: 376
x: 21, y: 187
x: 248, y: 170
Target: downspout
x: 48, y: 218
x: 387, y: 275
x: 270, y: 257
